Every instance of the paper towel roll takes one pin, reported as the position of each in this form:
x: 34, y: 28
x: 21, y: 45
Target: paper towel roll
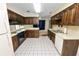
x: 65, y: 30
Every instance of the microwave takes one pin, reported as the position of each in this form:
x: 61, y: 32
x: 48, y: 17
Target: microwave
x: 35, y: 25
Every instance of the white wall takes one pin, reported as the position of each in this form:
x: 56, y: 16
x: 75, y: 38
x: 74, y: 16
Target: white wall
x: 47, y: 24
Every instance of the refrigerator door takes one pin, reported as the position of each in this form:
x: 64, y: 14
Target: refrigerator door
x: 5, y: 46
x: 3, y: 28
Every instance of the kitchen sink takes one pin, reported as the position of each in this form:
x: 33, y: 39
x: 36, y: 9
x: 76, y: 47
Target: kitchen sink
x: 57, y: 31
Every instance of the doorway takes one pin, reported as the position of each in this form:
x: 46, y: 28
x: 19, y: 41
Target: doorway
x: 42, y: 24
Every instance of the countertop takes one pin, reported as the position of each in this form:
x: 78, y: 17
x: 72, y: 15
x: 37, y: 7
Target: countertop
x: 21, y: 30
x: 13, y: 34
x: 68, y: 36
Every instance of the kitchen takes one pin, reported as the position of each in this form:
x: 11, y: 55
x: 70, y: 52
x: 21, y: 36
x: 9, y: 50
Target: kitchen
x: 50, y: 33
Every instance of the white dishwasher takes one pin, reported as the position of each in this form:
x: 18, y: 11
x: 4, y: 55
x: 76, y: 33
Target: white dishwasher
x: 59, y: 43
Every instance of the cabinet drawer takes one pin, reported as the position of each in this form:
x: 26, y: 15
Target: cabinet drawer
x: 53, y: 39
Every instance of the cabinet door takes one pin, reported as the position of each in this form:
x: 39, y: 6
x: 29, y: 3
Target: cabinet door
x: 48, y: 33
x: 64, y: 18
x: 77, y: 15
x: 36, y: 33
x: 26, y: 34
x: 59, y: 44
x: 31, y: 33
x: 50, y: 24
x: 35, y: 20
x: 11, y: 15
x: 15, y: 42
x: 31, y: 20
x: 70, y: 47
x: 53, y: 37
x: 25, y: 21
x: 3, y: 28
x: 19, y: 19
x: 28, y: 20
x: 68, y: 17
x: 71, y: 16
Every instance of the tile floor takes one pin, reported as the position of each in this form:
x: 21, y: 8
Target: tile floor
x: 41, y: 46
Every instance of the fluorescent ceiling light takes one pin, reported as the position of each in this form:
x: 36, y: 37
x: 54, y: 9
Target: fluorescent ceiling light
x: 37, y: 7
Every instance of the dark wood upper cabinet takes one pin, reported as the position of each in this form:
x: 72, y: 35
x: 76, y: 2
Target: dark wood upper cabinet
x: 20, y: 19
x: 15, y: 18
x: 64, y: 18
x: 31, y: 20
x: 35, y: 20
x: 69, y: 16
x: 28, y: 20
x: 11, y: 15
x: 56, y: 19
x: 77, y: 14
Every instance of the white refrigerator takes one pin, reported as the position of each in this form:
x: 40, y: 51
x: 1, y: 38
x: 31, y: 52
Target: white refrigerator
x: 6, y: 48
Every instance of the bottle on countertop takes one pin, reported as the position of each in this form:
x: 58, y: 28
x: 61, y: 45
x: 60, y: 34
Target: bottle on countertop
x: 65, y: 30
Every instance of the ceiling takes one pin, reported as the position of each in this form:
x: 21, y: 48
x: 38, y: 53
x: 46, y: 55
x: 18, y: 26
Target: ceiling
x: 47, y: 8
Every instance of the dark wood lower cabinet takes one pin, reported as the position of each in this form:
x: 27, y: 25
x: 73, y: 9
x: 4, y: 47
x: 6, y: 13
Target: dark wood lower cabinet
x: 32, y: 33
x: 51, y: 35
x: 65, y: 47
x: 15, y: 42
x: 70, y: 47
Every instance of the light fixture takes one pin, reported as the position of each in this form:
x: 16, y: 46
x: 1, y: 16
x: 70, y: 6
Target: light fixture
x: 37, y: 7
